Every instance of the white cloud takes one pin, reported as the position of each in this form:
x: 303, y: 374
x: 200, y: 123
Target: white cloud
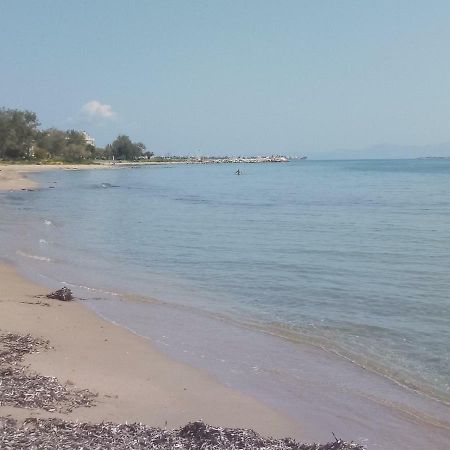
x: 97, y: 110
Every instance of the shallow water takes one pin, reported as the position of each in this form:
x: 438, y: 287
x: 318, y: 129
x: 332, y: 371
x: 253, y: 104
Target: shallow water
x: 352, y: 256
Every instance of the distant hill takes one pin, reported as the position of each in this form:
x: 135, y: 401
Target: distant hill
x: 388, y: 151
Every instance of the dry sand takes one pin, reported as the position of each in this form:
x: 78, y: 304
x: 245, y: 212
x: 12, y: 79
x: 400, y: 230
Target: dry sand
x: 14, y: 177
x: 134, y: 381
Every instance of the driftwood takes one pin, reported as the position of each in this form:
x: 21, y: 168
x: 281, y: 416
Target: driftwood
x: 57, y: 434
x: 64, y: 294
x: 22, y: 388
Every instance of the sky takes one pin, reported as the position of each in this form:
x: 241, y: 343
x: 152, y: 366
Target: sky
x: 232, y: 76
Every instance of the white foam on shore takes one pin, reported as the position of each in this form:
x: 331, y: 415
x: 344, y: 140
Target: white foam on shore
x: 286, y: 375
x: 36, y: 257
x: 91, y: 289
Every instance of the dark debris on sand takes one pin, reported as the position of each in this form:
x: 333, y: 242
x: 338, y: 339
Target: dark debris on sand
x: 24, y: 389
x: 64, y: 294
x: 48, y: 434
x: 21, y: 388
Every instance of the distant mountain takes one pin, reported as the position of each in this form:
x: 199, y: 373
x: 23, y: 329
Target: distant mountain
x: 388, y: 151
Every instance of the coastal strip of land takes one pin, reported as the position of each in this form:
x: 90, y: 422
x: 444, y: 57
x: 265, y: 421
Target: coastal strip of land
x: 69, y: 379
x: 75, y: 367
x: 14, y: 177
x: 132, y: 381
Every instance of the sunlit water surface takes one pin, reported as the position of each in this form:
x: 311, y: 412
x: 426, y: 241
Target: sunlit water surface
x: 351, y: 256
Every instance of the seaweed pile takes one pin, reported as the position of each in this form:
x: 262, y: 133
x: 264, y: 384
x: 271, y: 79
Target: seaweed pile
x: 22, y: 388
x: 64, y: 294
x: 57, y: 434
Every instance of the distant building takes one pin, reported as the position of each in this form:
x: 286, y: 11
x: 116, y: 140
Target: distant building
x: 88, y: 139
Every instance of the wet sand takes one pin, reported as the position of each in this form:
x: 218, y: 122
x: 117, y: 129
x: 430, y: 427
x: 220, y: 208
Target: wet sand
x: 137, y: 382
x: 14, y: 177
x: 134, y: 381
x: 321, y: 391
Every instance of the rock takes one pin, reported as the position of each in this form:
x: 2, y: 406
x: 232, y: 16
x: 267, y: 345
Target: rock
x: 64, y: 294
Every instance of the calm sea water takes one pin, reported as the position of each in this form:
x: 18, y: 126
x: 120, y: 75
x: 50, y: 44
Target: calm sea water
x: 352, y: 256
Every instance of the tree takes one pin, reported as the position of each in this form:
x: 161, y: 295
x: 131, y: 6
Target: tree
x: 124, y: 148
x: 21, y: 138
x: 67, y: 145
x: 75, y: 152
x: 92, y: 152
x: 75, y: 137
x: 18, y: 130
x: 53, y: 141
x: 41, y: 153
x: 107, y: 152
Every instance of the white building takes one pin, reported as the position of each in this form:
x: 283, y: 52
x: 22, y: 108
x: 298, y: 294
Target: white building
x: 88, y: 139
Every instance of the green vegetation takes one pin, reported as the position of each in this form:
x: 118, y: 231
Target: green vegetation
x: 21, y: 140
x: 123, y: 149
x: 60, y: 145
x: 18, y: 130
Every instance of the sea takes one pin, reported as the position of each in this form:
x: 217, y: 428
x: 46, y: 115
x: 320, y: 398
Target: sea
x: 304, y: 284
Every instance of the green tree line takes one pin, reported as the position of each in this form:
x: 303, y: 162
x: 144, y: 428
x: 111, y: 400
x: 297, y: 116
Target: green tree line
x: 22, y: 139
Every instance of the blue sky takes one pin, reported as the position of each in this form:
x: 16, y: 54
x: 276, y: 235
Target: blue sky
x: 232, y: 77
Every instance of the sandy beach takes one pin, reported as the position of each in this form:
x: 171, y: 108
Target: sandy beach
x: 134, y: 381
x: 14, y: 177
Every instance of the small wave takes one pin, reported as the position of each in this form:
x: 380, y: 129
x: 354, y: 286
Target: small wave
x: 88, y: 288
x: 48, y: 222
x: 194, y: 199
x: 104, y: 186
x: 43, y: 242
x: 36, y: 257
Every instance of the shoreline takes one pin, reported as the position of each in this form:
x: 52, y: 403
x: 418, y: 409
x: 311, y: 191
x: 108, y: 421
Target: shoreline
x: 320, y: 401
x: 13, y: 177
x: 135, y: 381
x: 331, y: 392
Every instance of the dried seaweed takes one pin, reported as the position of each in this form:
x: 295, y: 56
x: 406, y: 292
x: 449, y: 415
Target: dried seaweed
x: 64, y: 294
x: 24, y: 389
x: 57, y: 434
x: 13, y: 347
x: 19, y: 387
